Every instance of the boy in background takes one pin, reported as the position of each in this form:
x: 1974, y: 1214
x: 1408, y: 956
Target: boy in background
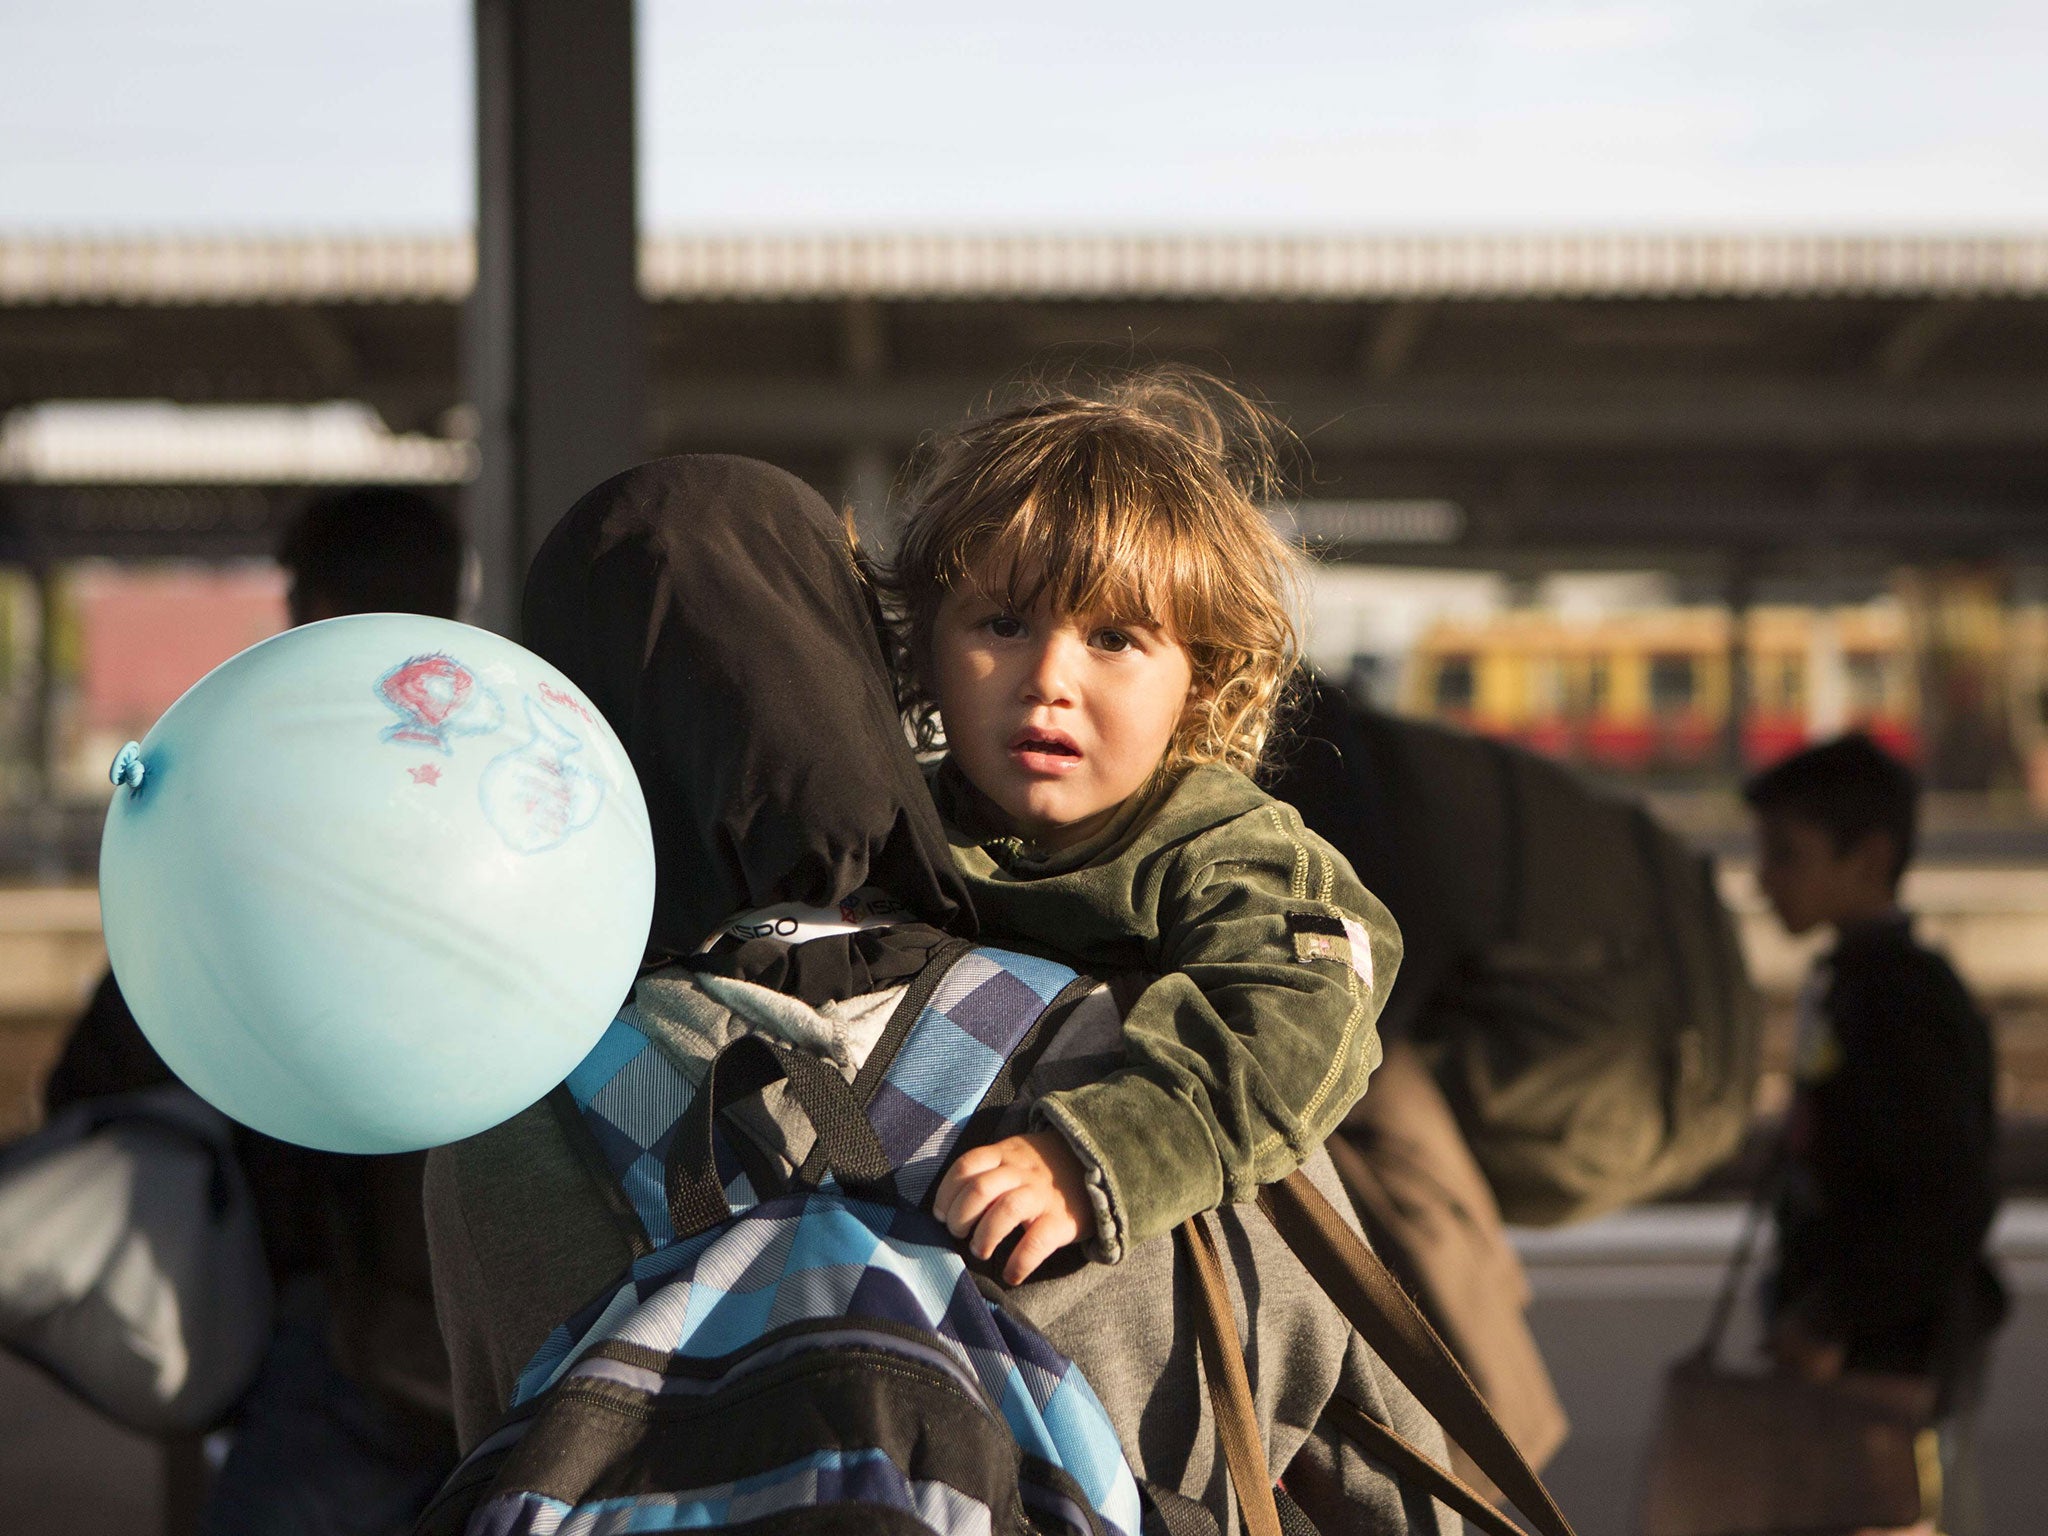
x: 1888, y: 1188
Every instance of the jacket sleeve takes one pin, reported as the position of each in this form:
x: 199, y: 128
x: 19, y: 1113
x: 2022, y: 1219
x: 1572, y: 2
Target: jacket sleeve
x: 1257, y: 1037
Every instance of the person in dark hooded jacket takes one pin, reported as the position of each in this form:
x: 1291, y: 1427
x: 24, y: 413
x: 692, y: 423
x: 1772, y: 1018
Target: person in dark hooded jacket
x: 710, y: 607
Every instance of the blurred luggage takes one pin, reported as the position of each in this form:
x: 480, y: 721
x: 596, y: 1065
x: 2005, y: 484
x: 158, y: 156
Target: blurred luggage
x: 1570, y: 971
x: 1744, y: 1453
x: 1747, y: 1454
x: 130, y: 1264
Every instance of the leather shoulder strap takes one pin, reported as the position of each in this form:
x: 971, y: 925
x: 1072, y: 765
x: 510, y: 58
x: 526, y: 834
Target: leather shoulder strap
x: 1230, y: 1390
x: 1230, y: 1399
x: 1407, y: 1461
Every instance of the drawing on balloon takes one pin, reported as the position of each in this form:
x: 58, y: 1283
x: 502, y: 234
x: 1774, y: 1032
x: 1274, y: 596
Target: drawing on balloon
x: 553, y: 695
x: 437, y: 698
x: 533, y: 795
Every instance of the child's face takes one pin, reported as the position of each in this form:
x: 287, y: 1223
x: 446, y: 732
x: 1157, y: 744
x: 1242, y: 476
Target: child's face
x: 1056, y: 718
x: 1809, y: 882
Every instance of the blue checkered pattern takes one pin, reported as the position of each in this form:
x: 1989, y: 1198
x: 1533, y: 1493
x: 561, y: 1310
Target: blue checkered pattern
x: 770, y: 1281
x: 632, y: 1097
x: 977, y: 1016
x: 863, y: 1477
x: 819, y: 1257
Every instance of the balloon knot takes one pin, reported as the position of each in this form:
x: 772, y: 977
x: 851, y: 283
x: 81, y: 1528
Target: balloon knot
x: 128, y: 767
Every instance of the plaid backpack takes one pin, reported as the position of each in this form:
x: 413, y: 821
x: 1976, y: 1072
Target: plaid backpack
x: 808, y: 1354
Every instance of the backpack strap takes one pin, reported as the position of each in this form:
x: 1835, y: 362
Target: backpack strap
x: 1237, y: 1427
x: 1230, y: 1390
x: 955, y: 1056
x: 604, y: 1178
x: 1406, y: 1460
x: 629, y: 1097
x: 619, y: 1109
x: 949, y: 1052
x: 697, y: 1198
x: 1372, y: 1301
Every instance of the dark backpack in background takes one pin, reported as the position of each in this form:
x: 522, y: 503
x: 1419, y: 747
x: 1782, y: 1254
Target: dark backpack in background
x: 1570, y: 970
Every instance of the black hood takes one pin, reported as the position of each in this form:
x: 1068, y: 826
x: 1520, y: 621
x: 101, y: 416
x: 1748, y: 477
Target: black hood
x: 710, y: 607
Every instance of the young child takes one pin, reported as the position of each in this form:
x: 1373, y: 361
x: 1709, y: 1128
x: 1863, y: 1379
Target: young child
x: 1096, y: 608
x: 1888, y: 1188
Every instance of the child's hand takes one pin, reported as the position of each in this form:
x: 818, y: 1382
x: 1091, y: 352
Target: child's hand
x: 1032, y: 1181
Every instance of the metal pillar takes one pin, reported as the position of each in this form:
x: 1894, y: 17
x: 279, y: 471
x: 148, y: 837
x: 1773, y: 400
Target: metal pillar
x: 554, y: 345
x: 41, y: 746
x: 1740, y: 593
x: 863, y: 364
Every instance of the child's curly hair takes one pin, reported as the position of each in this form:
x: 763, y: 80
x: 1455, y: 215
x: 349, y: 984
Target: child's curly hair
x: 1138, y: 497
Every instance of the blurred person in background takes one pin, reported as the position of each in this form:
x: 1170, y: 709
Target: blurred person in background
x: 1888, y: 1187
x: 348, y: 1429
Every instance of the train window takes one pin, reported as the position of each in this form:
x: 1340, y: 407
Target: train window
x: 1597, y: 686
x: 1575, y: 696
x: 1863, y: 673
x: 1791, y: 684
x: 1778, y: 684
x: 1456, y: 683
x: 1673, y: 684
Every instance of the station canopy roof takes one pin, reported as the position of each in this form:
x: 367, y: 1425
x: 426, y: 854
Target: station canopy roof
x: 243, y: 269
x: 1818, y: 400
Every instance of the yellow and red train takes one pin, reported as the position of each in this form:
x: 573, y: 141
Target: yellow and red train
x: 1651, y: 690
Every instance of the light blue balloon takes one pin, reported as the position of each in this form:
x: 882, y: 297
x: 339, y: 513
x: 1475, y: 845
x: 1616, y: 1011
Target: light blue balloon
x: 377, y: 883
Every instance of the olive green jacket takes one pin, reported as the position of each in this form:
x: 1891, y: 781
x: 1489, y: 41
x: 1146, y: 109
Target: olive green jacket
x: 1272, y: 965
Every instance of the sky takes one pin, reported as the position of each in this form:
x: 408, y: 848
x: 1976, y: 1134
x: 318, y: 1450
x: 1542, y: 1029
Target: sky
x: 1313, y: 116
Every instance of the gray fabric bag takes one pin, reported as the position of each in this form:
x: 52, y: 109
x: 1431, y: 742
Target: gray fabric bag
x: 131, y: 1267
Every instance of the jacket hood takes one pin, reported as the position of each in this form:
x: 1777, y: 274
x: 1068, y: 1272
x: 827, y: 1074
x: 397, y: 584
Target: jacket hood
x: 710, y: 607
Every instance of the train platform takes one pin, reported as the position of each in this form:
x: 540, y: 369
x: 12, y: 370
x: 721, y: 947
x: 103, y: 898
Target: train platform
x: 1616, y: 1300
